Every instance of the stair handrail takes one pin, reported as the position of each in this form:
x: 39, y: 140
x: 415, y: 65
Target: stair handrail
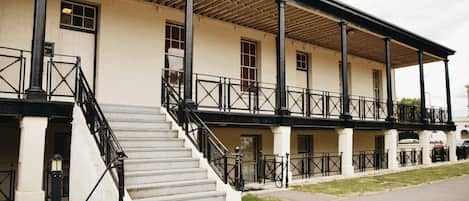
x: 202, y: 136
x: 110, y: 149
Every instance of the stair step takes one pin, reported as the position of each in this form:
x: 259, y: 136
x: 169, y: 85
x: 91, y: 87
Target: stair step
x: 151, y: 142
x: 158, y: 152
x: 156, y: 176
x: 160, y: 164
x: 139, y: 126
x: 170, y: 188
x: 145, y: 134
x: 110, y: 108
x: 129, y: 117
x: 199, y: 196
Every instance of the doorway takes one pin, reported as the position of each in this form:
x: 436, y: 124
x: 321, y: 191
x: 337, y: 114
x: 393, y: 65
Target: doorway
x: 250, y: 148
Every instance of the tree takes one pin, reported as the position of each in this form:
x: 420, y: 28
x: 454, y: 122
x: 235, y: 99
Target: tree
x: 410, y: 101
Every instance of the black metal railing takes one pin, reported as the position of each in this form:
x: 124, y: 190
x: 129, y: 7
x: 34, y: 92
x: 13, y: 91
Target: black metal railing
x: 314, y: 103
x: 366, y: 108
x: 440, y: 154
x: 109, y: 147
x: 234, y: 95
x: 65, y: 81
x: 201, y: 136
x: 309, y: 165
x: 60, y: 71
x: 273, y: 168
x: 12, y: 72
x: 410, y: 157
x: 462, y: 152
x: 7, y: 185
x: 370, y: 160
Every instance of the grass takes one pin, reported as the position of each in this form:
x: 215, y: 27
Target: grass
x: 250, y: 197
x: 386, y: 182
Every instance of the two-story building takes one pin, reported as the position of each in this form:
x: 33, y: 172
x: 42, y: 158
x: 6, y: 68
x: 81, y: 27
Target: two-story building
x: 196, y: 99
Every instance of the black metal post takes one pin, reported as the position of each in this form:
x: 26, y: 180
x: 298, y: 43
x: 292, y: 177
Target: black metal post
x: 422, y: 88
x: 120, y: 175
x: 35, y: 91
x: 281, y: 83
x: 188, y: 53
x: 56, y: 183
x: 448, y: 93
x: 390, y: 101
x: 344, y: 63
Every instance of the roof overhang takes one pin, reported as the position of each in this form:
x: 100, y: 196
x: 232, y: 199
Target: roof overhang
x: 316, y: 22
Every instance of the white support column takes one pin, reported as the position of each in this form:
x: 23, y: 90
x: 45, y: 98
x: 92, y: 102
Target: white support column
x: 390, y: 145
x: 346, y: 148
x: 451, y: 141
x: 31, y: 159
x: 282, y: 144
x: 424, y: 139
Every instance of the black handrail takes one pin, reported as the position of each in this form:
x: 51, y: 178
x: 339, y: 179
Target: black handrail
x: 201, y: 135
x: 110, y: 149
x: 65, y: 79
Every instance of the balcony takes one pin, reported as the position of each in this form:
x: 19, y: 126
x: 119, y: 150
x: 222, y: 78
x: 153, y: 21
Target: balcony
x: 218, y: 94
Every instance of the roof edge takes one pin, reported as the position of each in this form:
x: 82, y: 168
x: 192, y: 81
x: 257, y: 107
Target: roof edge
x: 374, y: 24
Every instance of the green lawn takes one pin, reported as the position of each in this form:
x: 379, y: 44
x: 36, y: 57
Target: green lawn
x: 386, y: 182
x: 250, y: 197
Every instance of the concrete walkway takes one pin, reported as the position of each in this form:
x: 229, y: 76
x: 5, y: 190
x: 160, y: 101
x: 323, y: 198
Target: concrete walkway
x: 456, y: 189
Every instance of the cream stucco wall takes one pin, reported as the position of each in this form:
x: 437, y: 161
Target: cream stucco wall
x: 130, y: 50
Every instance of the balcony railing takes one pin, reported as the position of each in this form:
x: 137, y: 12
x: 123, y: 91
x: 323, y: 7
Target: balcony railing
x: 223, y: 94
x: 65, y: 81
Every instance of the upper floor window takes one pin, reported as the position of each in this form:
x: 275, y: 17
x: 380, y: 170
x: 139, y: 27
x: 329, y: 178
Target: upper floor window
x: 302, y: 61
x: 77, y: 16
x: 174, y: 52
x: 377, y: 84
x: 248, y: 65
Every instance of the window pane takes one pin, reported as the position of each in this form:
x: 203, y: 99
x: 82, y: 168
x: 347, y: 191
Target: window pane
x: 183, y: 34
x: 252, y: 74
x: 77, y: 21
x: 89, y: 12
x: 66, y: 19
x: 166, y: 45
x: 174, y: 44
x: 244, y: 73
x: 89, y: 24
x: 253, y: 61
x: 245, y: 60
x: 245, y: 48
x: 66, y: 8
x: 77, y: 10
x: 253, y: 49
x: 175, y: 33
x: 168, y: 31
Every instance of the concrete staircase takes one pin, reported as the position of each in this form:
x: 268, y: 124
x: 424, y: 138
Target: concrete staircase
x: 160, y: 167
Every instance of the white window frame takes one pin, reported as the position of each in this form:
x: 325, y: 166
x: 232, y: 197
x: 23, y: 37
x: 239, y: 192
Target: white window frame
x: 249, y: 80
x: 377, y: 84
x: 302, y: 63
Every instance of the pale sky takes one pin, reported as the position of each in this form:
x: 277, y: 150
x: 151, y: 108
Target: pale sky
x: 443, y: 21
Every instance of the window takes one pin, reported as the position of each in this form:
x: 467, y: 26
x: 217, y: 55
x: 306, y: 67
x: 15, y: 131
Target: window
x: 349, y: 76
x: 248, y: 65
x: 302, y: 61
x: 174, y: 52
x: 377, y: 84
x: 77, y: 16
x: 305, y: 144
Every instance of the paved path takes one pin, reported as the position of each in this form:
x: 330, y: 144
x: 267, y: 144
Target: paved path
x: 456, y: 189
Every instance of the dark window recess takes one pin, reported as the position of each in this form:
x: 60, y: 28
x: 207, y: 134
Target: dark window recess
x: 302, y: 61
x: 77, y: 16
